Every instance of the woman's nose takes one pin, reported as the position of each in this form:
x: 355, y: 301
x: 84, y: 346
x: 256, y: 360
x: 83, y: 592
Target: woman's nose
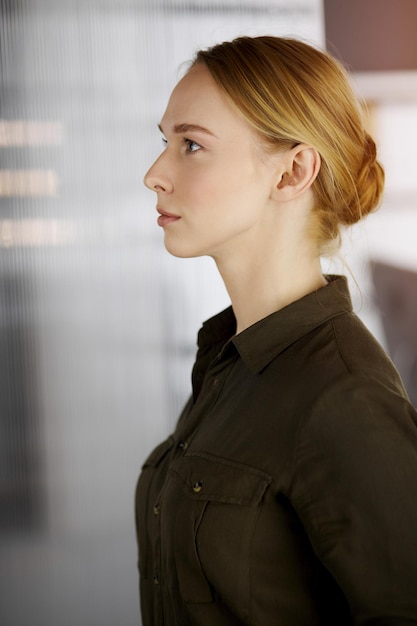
x: 157, y: 179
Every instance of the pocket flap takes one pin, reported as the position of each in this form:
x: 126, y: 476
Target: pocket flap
x: 208, y: 477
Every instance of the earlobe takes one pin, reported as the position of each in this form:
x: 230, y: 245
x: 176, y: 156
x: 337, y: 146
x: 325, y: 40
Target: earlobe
x: 302, y: 166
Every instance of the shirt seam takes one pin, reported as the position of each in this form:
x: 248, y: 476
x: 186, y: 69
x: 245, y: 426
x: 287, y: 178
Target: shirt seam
x: 339, y: 346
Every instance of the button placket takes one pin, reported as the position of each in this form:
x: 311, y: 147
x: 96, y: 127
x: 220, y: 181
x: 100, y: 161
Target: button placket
x: 156, y: 577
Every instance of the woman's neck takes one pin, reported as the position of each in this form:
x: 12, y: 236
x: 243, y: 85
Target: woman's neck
x: 260, y: 284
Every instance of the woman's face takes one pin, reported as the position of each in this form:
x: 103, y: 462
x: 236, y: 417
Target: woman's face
x: 213, y: 179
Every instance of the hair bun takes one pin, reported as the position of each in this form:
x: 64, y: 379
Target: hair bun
x: 368, y: 186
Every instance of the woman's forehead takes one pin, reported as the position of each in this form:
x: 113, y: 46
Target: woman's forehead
x: 198, y: 101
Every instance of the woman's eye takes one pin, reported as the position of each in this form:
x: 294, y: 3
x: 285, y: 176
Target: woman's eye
x: 192, y: 146
x: 164, y: 141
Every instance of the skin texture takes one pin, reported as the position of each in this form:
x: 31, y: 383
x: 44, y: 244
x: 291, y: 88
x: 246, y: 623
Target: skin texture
x: 247, y: 209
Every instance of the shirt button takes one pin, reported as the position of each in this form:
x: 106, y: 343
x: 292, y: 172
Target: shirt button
x: 156, y: 579
x: 197, y: 487
x: 183, y: 445
x: 156, y: 509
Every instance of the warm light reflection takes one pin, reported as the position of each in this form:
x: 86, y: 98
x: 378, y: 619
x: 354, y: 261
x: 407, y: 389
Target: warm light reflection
x: 29, y: 133
x: 35, y: 232
x: 24, y: 183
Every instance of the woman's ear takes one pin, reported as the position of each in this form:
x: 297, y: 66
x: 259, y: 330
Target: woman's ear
x: 301, y: 165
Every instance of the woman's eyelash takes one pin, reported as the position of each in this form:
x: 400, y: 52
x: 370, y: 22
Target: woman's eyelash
x: 192, y: 146
x: 190, y: 143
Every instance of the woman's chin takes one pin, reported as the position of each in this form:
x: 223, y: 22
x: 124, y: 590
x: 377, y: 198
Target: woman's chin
x: 181, y: 251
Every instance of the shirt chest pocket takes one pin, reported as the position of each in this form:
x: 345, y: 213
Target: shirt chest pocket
x: 217, y: 503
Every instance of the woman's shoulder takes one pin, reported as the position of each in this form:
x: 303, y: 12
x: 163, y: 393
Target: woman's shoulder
x: 363, y: 356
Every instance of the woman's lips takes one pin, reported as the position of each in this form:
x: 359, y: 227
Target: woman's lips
x: 166, y: 218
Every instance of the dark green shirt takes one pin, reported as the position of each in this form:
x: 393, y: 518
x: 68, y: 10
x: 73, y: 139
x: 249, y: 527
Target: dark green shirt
x: 287, y: 495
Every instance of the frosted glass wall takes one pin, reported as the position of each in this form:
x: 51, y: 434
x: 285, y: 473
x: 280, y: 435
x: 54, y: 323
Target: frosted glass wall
x: 97, y: 322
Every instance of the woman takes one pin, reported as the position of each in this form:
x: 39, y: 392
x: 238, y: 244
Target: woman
x: 287, y: 495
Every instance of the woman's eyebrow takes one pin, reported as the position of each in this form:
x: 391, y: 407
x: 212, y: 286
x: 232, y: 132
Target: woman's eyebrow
x: 185, y: 128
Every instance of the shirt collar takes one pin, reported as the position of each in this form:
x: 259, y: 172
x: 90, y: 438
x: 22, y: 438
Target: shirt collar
x: 267, y: 338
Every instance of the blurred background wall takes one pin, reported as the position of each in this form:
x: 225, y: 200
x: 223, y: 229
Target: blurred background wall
x: 97, y: 321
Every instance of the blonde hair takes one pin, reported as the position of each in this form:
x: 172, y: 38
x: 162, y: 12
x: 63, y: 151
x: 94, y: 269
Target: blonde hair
x: 291, y: 92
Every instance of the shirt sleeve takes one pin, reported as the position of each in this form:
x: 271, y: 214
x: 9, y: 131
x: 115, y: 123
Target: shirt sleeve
x: 355, y: 490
